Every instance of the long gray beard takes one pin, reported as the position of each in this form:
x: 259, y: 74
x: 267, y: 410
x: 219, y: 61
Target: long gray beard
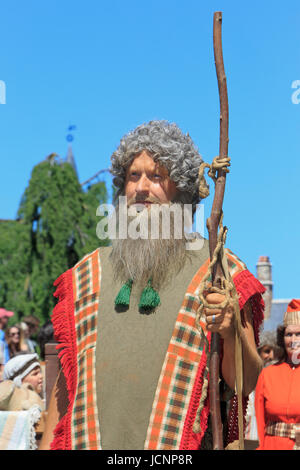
x: 143, y: 259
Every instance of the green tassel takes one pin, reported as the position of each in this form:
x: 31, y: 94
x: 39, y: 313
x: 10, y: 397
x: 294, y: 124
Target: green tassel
x: 149, y: 298
x: 123, y: 297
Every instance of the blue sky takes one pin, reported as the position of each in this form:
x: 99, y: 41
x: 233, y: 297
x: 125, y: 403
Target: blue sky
x: 109, y: 66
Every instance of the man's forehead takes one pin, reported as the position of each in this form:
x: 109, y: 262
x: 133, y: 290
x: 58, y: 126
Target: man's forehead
x: 146, y: 156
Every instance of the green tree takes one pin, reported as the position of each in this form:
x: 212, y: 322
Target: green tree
x: 95, y: 195
x: 12, y: 276
x: 56, y: 227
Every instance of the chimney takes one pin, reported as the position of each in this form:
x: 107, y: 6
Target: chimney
x: 264, y: 275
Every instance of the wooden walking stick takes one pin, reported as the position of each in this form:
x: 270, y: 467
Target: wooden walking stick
x: 218, y: 271
x: 212, y: 226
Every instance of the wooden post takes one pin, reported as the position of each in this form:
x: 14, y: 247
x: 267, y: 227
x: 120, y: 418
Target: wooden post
x: 52, y: 367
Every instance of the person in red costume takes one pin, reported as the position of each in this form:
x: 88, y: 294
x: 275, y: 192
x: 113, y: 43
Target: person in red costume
x: 277, y: 403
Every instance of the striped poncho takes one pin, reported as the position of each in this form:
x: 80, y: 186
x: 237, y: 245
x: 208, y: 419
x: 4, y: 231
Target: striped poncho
x: 180, y: 384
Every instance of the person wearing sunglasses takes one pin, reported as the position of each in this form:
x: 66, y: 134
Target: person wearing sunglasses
x: 15, y: 341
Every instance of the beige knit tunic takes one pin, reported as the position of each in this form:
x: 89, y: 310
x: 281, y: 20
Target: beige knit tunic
x: 130, y: 352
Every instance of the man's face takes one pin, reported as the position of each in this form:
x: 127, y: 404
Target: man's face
x: 147, y: 182
x: 266, y: 353
x: 292, y: 341
x: 156, y: 254
x: 31, y: 329
x: 14, y: 334
x: 35, y: 378
x: 3, y: 322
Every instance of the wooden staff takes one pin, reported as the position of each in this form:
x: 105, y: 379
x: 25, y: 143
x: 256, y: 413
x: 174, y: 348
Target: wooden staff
x: 212, y: 226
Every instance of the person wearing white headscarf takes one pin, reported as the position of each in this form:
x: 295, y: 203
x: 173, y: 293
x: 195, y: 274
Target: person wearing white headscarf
x: 24, y: 368
x: 20, y: 402
x: 22, y: 383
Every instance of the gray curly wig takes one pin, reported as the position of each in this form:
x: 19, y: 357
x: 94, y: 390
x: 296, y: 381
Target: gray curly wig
x: 167, y: 145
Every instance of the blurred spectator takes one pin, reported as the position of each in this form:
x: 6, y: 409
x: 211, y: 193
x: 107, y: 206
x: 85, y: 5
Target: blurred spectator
x: 4, y: 316
x: 31, y: 345
x: 45, y: 336
x: 277, y: 403
x: 33, y: 324
x: 15, y: 341
x: 2, y: 362
x: 22, y: 384
x: 268, y: 348
x: 270, y: 353
x: 24, y: 368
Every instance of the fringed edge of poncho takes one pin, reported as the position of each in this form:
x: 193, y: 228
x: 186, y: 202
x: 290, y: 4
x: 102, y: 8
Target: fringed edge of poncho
x: 64, y: 327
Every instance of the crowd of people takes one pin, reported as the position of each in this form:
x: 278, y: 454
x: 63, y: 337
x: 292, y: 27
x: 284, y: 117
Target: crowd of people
x: 139, y: 328
x: 134, y: 323
x: 273, y: 412
x: 17, y: 337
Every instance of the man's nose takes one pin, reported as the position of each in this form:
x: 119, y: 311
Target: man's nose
x: 142, y: 186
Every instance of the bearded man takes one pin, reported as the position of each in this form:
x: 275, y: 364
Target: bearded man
x: 134, y: 361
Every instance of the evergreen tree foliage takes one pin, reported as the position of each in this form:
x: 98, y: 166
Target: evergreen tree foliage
x: 56, y: 227
x: 95, y: 195
x: 12, y: 274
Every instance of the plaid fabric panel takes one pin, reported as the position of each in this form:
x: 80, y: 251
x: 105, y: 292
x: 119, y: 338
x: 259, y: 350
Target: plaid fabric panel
x: 86, y: 275
x: 283, y: 429
x: 185, y: 341
x: 180, y: 367
x: 86, y: 280
x: 177, y: 378
x: 235, y: 265
x: 86, y: 321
